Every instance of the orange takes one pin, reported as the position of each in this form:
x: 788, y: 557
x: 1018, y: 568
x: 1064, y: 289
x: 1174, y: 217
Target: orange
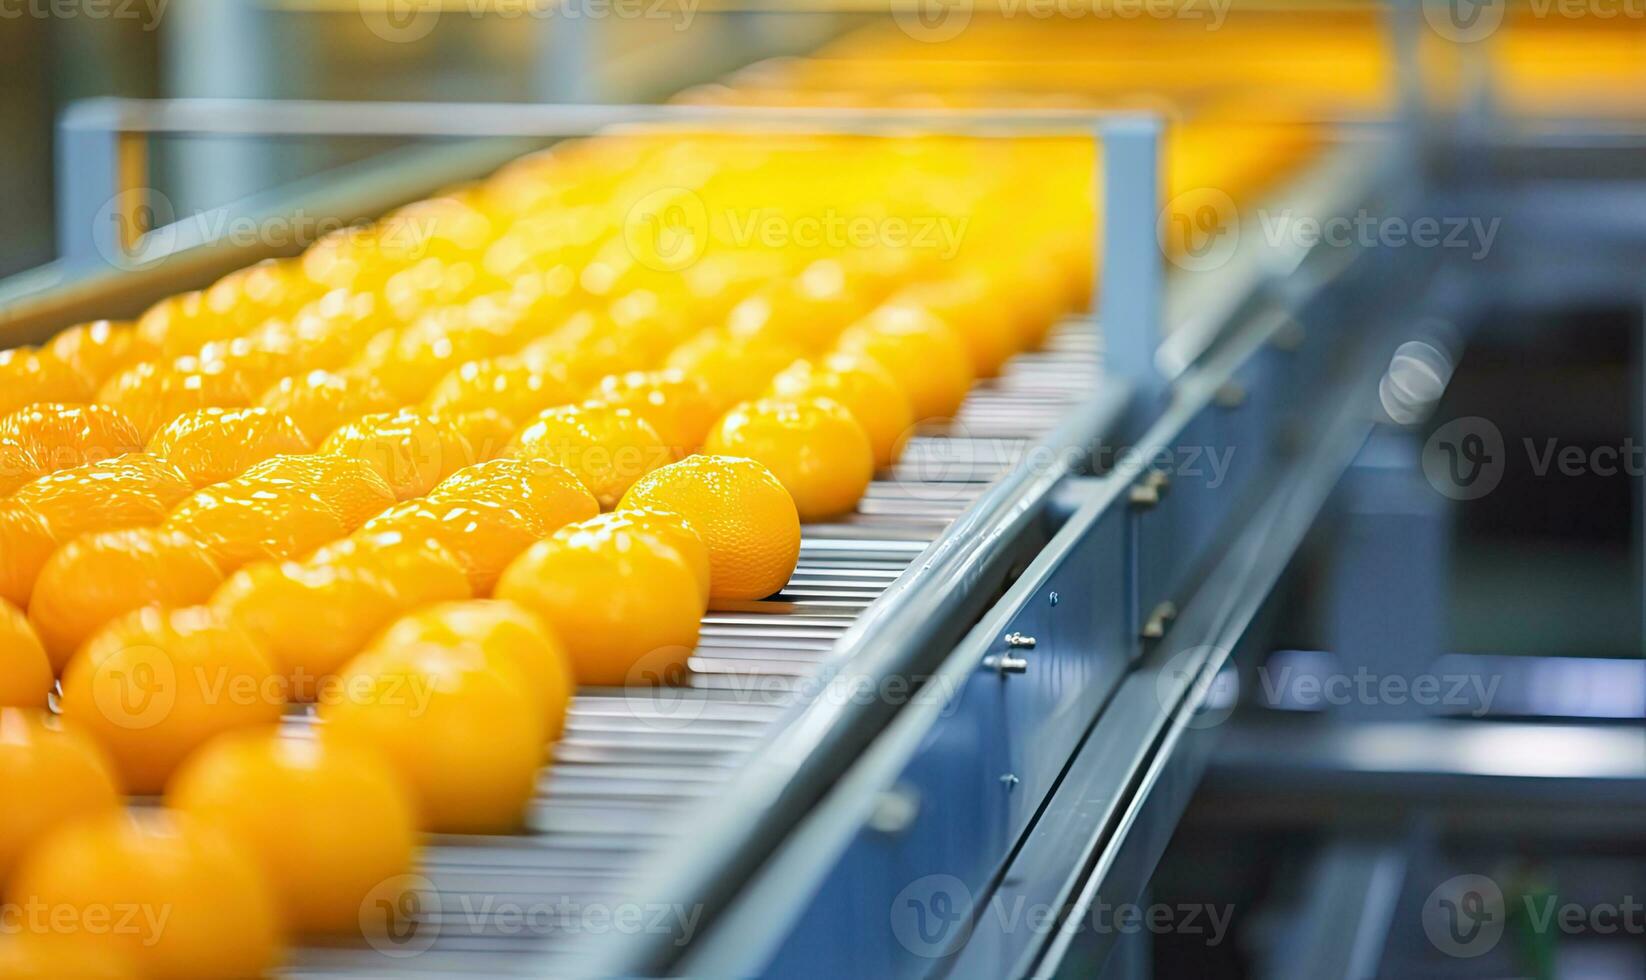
x: 151, y: 394
x: 50, y: 774
x: 26, y: 542
x: 814, y: 447
x: 983, y: 319
x: 484, y: 535
x: 921, y: 353
x: 258, y: 362
x: 545, y: 494
x: 27, y: 377
x: 310, y: 619
x: 808, y: 312
x: 411, y: 361
x: 182, y: 324
x: 350, y: 486
x: 134, y: 490
x: 18, y: 467
x: 732, y: 369
x: 743, y: 514
x: 864, y: 388
x: 324, y: 818
x: 607, y: 447
x: 155, y: 684
x: 36, y: 956
x: 100, y: 576
x: 242, y: 521
x: 678, y: 407
x: 321, y: 401
x: 418, y: 569
x: 497, y: 629
x: 25, y: 672
x: 98, y: 350
x: 59, y: 436
x: 202, y: 907
x: 409, y: 450
x: 505, y: 384
x: 488, y: 432
x: 662, y: 530
x: 463, y: 732
x: 626, y: 606
x: 217, y: 444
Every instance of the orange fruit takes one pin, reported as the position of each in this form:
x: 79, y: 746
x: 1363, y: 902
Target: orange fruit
x: 243, y: 521
x: 506, y: 384
x: 101, y: 576
x: 350, y: 486
x: 484, y: 535
x: 864, y: 388
x: 607, y: 447
x: 98, y: 350
x: 463, y: 732
x: 59, y: 436
x: 216, y: 444
x: 545, y: 494
x: 134, y: 490
x: 488, y: 432
x: 418, y: 569
x: 324, y: 818
x: 983, y: 319
x: 921, y: 353
x: 18, y: 467
x: 664, y: 530
x: 743, y: 513
x: 808, y: 312
x: 202, y: 907
x: 152, y: 394
x: 409, y: 450
x: 501, y: 630
x: 732, y: 369
x: 182, y: 324
x: 44, y: 956
x: 626, y: 606
x: 51, y: 774
x: 27, y: 377
x: 155, y: 684
x: 26, y: 542
x: 321, y: 401
x: 677, y: 406
x: 25, y: 672
x: 814, y: 447
x: 309, y: 618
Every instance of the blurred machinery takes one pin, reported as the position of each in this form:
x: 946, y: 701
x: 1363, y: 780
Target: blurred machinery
x: 1248, y: 596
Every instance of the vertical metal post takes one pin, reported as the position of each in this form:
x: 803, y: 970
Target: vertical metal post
x: 567, y: 65
x: 89, y: 215
x: 1132, y: 283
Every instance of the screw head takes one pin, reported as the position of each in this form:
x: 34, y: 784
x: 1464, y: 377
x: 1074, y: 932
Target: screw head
x: 1052, y: 598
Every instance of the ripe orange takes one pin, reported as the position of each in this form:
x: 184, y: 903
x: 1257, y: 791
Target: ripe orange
x: 151, y: 394
x: 410, y: 450
x: 243, y: 521
x: 58, y: 436
x: 864, y: 388
x: 663, y: 530
x: 418, y: 569
x: 25, y: 672
x: 488, y: 432
x: 26, y: 542
x: 154, y: 685
x: 98, y: 350
x: 814, y: 447
x: 732, y: 369
x: 18, y: 467
x: 182, y: 324
x: 50, y: 774
x: 743, y: 514
x: 921, y: 353
x: 984, y: 319
x: 607, y: 447
x: 506, y: 384
x: 98, y: 577
x: 324, y: 818
x: 484, y: 535
x: 626, y: 606
x: 45, y: 956
x: 678, y: 407
x: 502, y: 630
x: 545, y: 494
x: 350, y: 486
x: 27, y: 377
x: 202, y: 906
x: 217, y: 444
x: 134, y: 490
x: 321, y: 401
x: 309, y: 618
x: 463, y: 732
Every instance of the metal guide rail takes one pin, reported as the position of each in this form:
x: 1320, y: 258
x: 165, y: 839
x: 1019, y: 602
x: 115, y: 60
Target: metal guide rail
x: 634, y: 765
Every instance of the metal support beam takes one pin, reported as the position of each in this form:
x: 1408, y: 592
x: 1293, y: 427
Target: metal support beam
x: 1133, y: 282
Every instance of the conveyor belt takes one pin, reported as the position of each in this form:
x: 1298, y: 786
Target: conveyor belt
x: 632, y: 765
